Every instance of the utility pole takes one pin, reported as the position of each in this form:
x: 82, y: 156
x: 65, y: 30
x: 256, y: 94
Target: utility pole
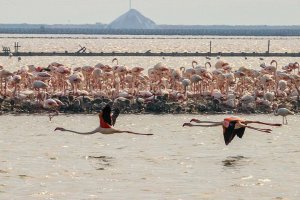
x: 16, y: 47
x: 129, y: 4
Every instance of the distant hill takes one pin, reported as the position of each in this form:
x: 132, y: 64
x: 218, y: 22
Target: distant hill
x: 132, y: 19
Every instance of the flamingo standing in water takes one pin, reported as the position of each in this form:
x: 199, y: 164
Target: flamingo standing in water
x: 52, y: 105
x: 4, y: 74
x: 283, y: 112
x: 232, y: 126
x: 107, y: 121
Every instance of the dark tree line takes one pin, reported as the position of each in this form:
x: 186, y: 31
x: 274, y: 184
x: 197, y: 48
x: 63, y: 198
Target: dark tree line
x: 226, y: 31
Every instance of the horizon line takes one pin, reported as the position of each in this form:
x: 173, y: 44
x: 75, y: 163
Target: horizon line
x: 25, y: 23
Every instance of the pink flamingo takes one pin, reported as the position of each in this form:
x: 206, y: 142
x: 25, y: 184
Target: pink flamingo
x: 107, y: 121
x: 38, y: 85
x: 4, y: 74
x: 233, y: 126
x: 52, y: 105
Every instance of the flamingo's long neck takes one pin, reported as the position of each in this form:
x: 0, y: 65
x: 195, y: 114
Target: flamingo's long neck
x: 83, y: 133
x: 209, y: 125
x: 210, y: 122
x: 45, y: 98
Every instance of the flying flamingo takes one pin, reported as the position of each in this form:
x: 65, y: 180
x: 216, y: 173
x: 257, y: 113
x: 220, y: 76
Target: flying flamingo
x: 107, y: 121
x: 233, y: 126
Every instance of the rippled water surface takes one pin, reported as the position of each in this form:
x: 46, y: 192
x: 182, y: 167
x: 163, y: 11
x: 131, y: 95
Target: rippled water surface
x: 174, y: 163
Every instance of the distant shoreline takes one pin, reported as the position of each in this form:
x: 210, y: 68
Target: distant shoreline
x: 158, y: 54
x: 143, y: 37
x: 196, y: 31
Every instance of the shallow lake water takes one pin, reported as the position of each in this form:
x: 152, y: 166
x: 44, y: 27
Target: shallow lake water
x: 175, y: 163
x: 104, y: 43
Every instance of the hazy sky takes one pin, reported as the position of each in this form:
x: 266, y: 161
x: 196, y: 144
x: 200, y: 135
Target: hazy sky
x: 197, y: 12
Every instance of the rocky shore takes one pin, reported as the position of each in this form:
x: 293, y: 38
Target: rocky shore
x: 158, y: 105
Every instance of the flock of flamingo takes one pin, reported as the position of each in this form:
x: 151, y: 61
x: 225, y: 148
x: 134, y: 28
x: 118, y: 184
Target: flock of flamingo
x: 270, y: 86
